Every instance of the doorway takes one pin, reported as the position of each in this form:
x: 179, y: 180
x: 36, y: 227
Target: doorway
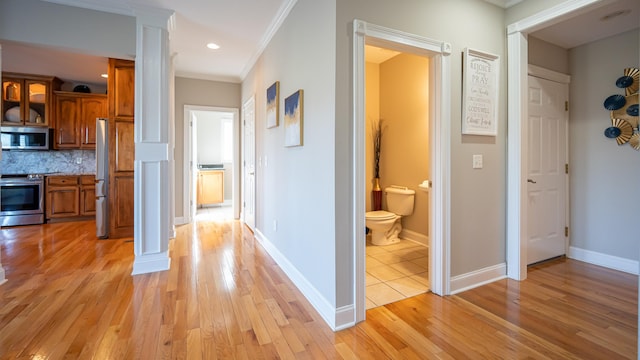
x: 211, y: 152
x: 518, y: 134
x: 439, y: 151
x: 397, y: 108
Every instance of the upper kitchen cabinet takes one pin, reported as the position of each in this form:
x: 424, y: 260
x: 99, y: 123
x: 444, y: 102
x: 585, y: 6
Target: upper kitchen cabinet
x: 75, y: 120
x: 27, y: 99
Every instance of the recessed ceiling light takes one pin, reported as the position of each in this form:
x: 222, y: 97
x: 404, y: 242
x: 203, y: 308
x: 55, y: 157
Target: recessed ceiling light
x: 615, y: 14
x: 213, y: 46
x: 104, y: 75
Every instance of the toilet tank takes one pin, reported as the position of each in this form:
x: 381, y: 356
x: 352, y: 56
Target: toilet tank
x: 399, y: 200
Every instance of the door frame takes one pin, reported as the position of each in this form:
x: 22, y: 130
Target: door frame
x: 439, y: 124
x: 187, y: 166
x: 517, y: 143
x: 251, y: 100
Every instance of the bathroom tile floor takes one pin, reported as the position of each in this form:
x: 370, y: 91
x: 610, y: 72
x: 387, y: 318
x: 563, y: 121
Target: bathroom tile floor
x: 395, y: 272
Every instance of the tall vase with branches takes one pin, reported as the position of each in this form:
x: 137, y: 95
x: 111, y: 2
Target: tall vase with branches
x: 376, y: 191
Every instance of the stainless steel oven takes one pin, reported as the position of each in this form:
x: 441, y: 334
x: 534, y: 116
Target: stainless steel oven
x: 22, y: 200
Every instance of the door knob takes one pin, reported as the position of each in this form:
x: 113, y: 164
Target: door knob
x: 531, y: 181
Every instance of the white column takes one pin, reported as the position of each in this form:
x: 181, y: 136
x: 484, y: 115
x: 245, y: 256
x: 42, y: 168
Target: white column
x: 2, y: 278
x: 152, y: 142
x: 172, y: 149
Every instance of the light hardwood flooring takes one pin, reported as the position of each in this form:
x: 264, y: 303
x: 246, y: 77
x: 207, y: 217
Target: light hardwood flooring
x: 72, y: 296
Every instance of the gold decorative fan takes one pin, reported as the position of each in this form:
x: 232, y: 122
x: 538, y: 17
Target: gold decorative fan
x: 626, y: 130
x: 629, y: 81
x: 635, y: 141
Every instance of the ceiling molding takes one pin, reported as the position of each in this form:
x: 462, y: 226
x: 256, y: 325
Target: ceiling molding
x: 505, y: 4
x: 282, y: 14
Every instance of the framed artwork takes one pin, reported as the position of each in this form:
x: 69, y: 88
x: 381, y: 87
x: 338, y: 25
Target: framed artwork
x: 293, y: 114
x: 480, y: 93
x: 273, y: 104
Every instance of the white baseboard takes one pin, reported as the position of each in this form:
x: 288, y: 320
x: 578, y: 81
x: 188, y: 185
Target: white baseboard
x: 477, y: 278
x: 337, y: 319
x: 180, y: 221
x: 2, y: 278
x: 604, y: 260
x: 415, y: 237
x: 144, y: 264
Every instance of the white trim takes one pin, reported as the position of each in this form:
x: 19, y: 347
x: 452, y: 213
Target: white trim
x: 552, y: 15
x: 278, y: 19
x: 144, y: 264
x: 478, y: 278
x: 605, y: 260
x: 337, y: 319
x: 187, y: 158
x: 547, y: 74
x: 517, y: 68
x: 180, y: 221
x: 2, y: 273
x: 416, y: 237
x: 440, y: 118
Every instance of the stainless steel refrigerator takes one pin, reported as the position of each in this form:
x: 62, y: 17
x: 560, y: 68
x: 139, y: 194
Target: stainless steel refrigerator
x: 102, y: 178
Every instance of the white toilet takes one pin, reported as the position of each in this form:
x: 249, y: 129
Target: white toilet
x: 385, y: 226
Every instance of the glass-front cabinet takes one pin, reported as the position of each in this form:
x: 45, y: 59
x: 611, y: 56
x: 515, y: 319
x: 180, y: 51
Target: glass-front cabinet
x: 27, y: 99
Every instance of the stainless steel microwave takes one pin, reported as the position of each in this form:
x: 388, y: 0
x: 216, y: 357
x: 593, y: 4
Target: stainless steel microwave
x: 24, y: 138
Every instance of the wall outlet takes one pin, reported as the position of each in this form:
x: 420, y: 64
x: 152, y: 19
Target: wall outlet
x: 477, y: 161
x: 275, y: 225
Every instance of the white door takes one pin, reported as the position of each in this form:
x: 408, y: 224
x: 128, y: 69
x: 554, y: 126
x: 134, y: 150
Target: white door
x: 249, y: 164
x: 546, y: 177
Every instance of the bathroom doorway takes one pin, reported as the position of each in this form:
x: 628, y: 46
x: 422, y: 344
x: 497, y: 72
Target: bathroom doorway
x: 397, y: 108
x: 438, y: 128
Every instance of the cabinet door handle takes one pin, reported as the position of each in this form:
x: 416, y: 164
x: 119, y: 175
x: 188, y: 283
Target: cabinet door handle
x: 531, y: 181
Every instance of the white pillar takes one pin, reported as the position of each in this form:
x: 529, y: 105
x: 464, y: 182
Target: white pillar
x: 2, y: 278
x: 152, y: 180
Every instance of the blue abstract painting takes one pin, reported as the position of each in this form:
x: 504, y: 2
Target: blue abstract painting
x: 273, y: 99
x: 293, y: 112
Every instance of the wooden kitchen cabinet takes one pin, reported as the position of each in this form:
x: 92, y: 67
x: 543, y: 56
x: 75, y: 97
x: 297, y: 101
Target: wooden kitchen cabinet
x: 75, y: 120
x: 87, y: 195
x: 210, y: 187
x: 27, y: 99
x: 63, y: 197
x: 70, y: 196
x: 121, y: 94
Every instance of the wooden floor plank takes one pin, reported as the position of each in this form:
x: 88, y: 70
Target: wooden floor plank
x: 72, y: 296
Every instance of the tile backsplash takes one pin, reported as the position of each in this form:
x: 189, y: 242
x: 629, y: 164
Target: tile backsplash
x: 45, y: 162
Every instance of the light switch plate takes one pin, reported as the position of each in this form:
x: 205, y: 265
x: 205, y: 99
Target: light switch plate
x: 477, y: 161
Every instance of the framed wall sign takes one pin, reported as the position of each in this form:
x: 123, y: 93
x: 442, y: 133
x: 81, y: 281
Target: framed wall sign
x: 480, y: 93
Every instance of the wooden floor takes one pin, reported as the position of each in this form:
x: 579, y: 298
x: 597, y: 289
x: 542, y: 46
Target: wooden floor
x: 72, y: 296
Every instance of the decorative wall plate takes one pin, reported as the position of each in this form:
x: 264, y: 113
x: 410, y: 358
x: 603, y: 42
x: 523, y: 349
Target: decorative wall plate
x: 632, y: 110
x: 635, y: 141
x: 614, y: 102
x: 626, y: 131
x: 612, y: 132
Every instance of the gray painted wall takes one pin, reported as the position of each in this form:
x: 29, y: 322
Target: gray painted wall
x: 295, y: 185
x: 548, y: 56
x: 604, y: 177
x: 478, y: 197
x: 202, y: 93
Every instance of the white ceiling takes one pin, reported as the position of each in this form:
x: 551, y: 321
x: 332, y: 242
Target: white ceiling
x: 594, y: 24
x: 242, y: 28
